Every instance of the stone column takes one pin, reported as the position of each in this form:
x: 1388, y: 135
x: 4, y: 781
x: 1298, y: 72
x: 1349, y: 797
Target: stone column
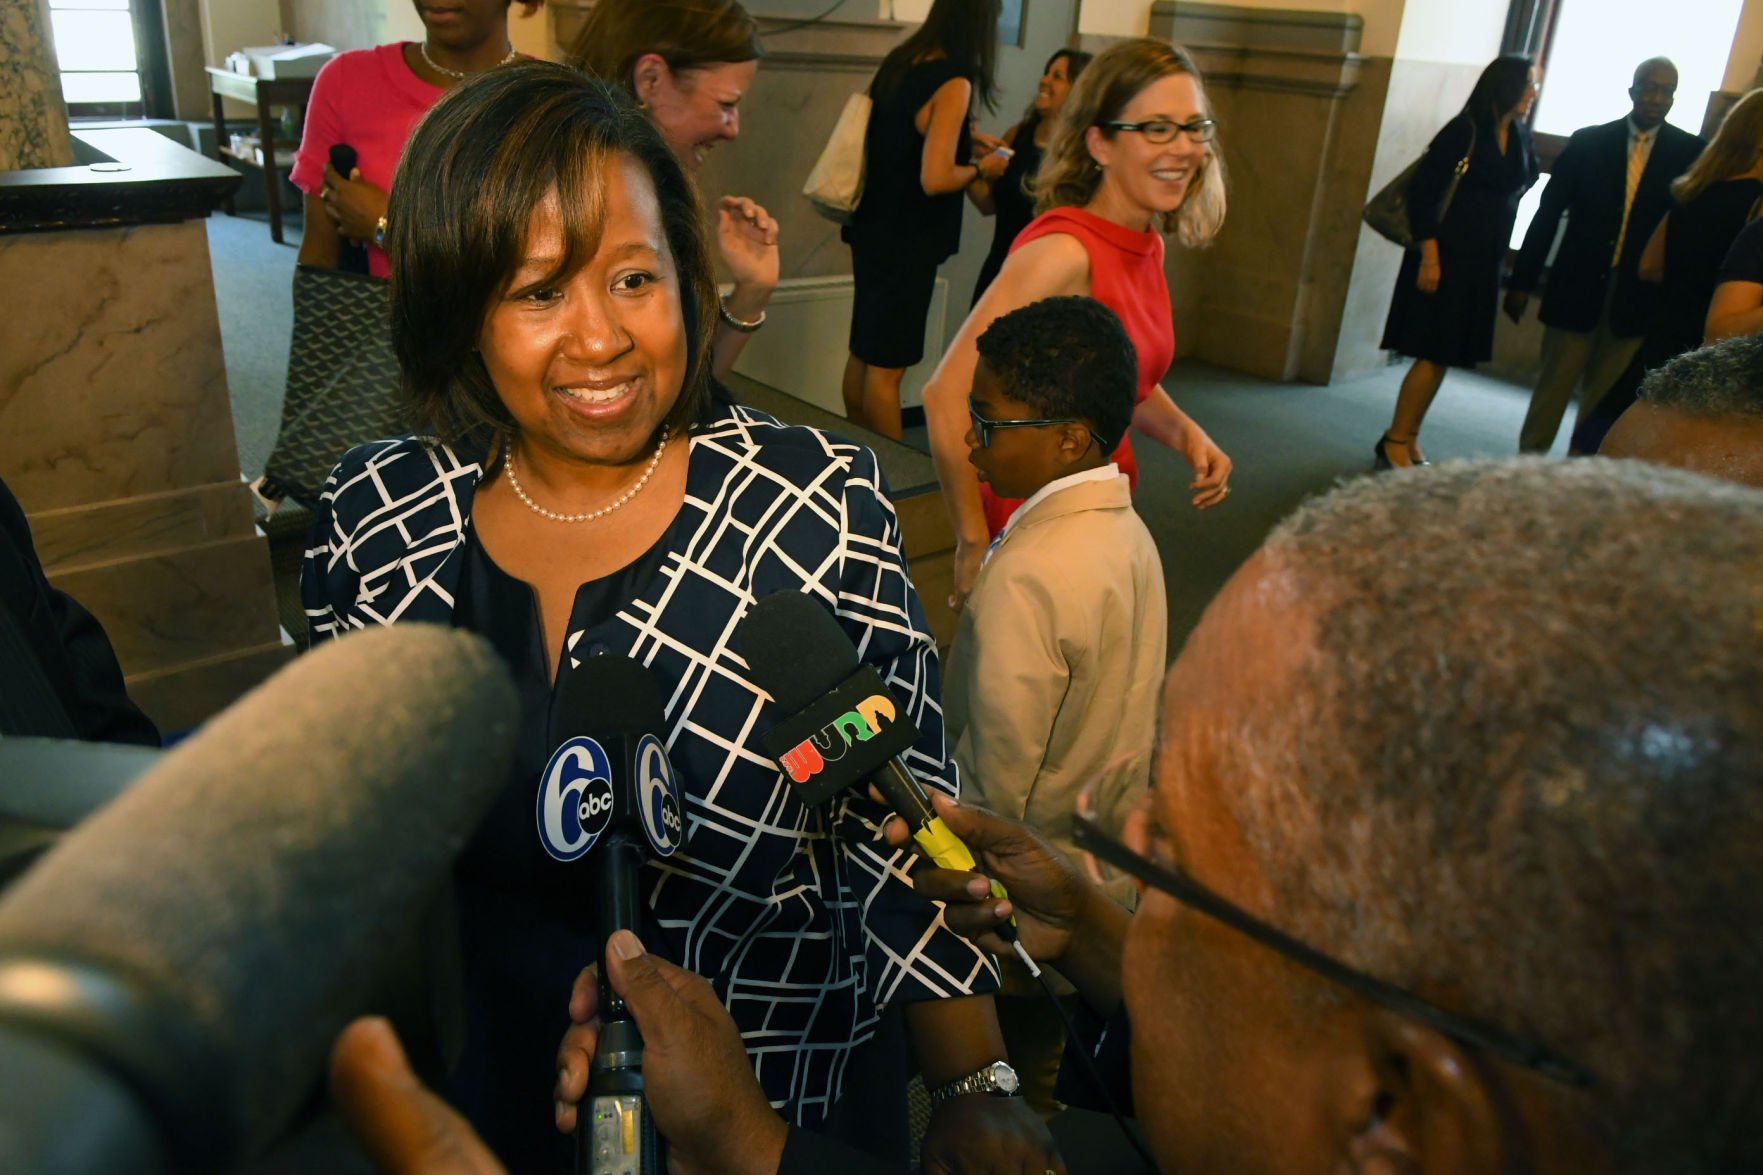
x: 116, y: 431
x: 33, y: 118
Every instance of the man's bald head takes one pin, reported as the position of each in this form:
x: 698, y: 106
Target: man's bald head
x: 1653, y: 91
x: 1514, y: 765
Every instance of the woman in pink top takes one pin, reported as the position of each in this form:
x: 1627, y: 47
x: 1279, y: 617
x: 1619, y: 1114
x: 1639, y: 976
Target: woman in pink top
x: 1132, y: 158
x: 369, y: 99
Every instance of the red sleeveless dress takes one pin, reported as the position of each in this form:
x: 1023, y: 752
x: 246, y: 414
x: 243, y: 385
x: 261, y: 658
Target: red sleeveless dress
x: 1126, y: 275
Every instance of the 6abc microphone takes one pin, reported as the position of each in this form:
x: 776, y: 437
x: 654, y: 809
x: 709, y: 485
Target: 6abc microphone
x: 844, y: 728
x: 609, y: 789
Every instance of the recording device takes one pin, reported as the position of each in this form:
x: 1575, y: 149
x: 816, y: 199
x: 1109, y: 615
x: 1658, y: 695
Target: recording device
x: 843, y: 727
x: 610, y: 791
x: 173, y: 971
x: 351, y: 257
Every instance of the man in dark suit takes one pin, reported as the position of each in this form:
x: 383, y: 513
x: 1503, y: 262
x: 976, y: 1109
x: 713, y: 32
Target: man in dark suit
x: 1612, y: 182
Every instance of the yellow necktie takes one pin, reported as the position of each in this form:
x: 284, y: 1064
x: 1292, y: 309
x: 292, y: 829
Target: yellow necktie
x: 1637, y: 163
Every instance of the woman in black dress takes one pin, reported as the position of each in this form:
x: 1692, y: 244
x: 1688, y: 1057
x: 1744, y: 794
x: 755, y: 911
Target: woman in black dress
x: 1443, y: 311
x: 1710, y: 203
x: 918, y: 159
x: 1008, y: 199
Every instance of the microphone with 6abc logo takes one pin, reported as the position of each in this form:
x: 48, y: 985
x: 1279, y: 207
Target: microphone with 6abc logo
x: 609, y: 788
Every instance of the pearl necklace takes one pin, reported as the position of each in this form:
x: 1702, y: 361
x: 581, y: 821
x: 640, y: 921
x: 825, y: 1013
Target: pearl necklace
x: 514, y: 481
x: 457, y: 75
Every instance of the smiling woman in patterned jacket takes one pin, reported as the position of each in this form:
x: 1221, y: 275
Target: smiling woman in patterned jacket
x: 581, y: 492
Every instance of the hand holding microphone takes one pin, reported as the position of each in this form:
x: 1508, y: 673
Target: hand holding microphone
x: 705, y: 1099
x: 1048, y: 893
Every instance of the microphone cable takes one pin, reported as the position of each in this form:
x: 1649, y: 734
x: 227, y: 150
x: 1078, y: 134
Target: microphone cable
x: 1073, y: 1045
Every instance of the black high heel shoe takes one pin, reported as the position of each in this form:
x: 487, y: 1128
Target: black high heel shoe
x: 1380, y: 453
x: 1381, y: 456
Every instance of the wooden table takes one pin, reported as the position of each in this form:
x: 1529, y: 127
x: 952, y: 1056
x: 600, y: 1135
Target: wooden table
x: 263, y: 93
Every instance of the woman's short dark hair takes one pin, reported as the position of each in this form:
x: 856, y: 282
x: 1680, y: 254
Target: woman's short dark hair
x: 687, y: 34
x: 474, y: 170
x: 1499, y: 89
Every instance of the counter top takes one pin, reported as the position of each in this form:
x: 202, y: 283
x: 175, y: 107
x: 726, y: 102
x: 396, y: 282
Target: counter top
x: 126, y: 175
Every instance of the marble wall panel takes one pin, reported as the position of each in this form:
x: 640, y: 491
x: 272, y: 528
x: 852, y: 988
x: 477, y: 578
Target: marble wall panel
x: 183, y: 697
x: 177, y: 607
x: 102, y: 532
x: 112, y: 383
x: 33, y: 117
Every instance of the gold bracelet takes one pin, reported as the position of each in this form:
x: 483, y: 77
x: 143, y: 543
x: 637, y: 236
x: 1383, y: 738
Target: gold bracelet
x: 734, y: 323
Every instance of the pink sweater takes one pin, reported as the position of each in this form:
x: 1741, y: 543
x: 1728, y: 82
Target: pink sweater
x: 369, y: 99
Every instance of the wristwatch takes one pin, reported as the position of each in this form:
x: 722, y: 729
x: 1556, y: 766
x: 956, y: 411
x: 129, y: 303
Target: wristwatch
x: 997, y: 1079
x: 379, y: 233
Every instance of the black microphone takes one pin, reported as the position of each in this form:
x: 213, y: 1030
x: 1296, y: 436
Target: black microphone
x: 843, y: 727
x: 351, y: 257
x: 609, y: 789
x: 173, y: 972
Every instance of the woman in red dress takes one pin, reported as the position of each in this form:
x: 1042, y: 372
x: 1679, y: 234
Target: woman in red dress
x: 1134, y: 157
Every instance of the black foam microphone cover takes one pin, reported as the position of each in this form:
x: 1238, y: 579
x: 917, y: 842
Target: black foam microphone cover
x: 796, y: 649
x: 606, y: 694
x: 201, y: 939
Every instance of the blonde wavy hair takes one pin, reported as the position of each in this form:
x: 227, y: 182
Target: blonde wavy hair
x: 1733, y: 151
x: 1069, y: 176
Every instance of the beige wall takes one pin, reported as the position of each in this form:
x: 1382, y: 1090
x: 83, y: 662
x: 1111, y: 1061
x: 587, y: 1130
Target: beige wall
x: 1747, y: 48
x: 1130, y: 18
x: 228, y: 25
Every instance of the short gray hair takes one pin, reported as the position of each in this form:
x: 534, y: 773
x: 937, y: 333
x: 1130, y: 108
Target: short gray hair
x: 1523, y: 760
x: 1721, y: 379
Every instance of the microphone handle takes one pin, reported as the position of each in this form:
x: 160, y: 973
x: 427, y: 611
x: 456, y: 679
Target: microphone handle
x: 614, y: 1132
x: 907, y: 796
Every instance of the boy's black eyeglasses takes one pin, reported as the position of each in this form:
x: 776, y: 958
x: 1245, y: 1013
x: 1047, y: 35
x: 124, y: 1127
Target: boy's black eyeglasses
x: 985, y: 427
x: 1190, y: 893
x: 1163, y: 130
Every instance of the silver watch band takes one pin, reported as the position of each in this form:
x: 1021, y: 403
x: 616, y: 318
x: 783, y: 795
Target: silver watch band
x: 997, y: 1079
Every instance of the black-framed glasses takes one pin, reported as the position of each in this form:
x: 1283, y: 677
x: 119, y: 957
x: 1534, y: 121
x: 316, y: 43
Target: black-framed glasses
x: 985, y: 428
x: 1163, y: 130
x: 1184, y: 889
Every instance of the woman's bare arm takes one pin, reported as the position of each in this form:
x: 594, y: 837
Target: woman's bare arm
x: 1046, y: 267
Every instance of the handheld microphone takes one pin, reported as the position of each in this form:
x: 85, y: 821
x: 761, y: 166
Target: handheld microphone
x: 351, y: 258
x: 610, y: 789
x: 843, y: 726
x: 173, y: 972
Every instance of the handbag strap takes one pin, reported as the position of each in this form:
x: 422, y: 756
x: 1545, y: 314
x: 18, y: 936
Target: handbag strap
x: 1463, y: 163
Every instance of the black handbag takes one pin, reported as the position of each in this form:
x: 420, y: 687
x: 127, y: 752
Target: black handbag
x: 1387, y: 213
x: 342, y: 381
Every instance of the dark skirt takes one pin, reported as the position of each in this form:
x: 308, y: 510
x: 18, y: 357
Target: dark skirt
x: 892, y: 291
x: 1455, y: 325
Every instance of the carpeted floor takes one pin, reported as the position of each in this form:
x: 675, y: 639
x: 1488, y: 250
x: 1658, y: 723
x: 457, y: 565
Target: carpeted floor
x: 1288, y: 441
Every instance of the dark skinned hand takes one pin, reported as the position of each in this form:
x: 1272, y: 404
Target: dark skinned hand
x: 706, y: 1101
x: 354, y: 205
x: 1048, y: 891
x: 978, y: 1132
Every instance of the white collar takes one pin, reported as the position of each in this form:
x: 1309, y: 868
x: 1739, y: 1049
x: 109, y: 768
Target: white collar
x: 1106, y: 472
